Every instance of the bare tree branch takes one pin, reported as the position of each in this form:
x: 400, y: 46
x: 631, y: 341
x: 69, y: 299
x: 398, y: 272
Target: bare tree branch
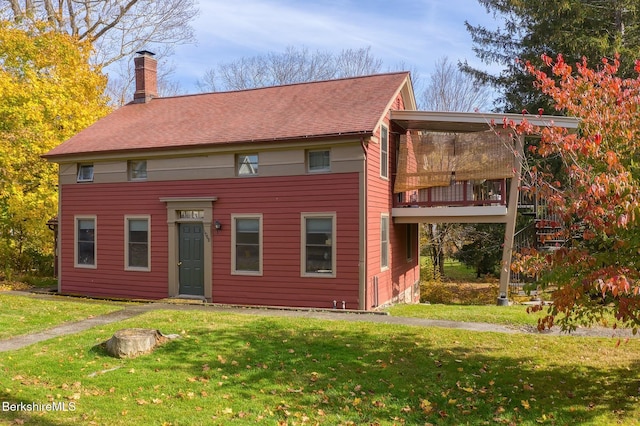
x: 118, y: 18
x: 51, y: 14
x: 449, y: 89
x: 118, y: 28
x: 15, y: 7
x: 294, y: 65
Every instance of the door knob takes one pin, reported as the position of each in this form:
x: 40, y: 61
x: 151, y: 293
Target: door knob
x: 179, y: 263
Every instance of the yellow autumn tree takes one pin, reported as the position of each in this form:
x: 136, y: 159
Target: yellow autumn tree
x: 48, y: 92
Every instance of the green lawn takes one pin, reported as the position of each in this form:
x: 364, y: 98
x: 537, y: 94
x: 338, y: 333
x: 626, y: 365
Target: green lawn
x: 515, y: 315
x: 21, y: 315
x: 506, y: 315
x: 456, y: 271
x: 243, y: 369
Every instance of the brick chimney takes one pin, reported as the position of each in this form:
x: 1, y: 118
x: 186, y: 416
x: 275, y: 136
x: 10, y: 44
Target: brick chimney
x: 146, y: 77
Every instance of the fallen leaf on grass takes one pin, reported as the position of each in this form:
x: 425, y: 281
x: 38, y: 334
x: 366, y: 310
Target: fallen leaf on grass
x: 426, y: 406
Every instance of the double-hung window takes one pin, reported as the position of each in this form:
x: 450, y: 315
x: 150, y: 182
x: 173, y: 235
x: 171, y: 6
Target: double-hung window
x: 319, y: 244
x: 411, y: 241
x: 85, y: 244
x: 384, y: 151
x: 384, y: 241
x: 246, y: 252
x: 137, y: 243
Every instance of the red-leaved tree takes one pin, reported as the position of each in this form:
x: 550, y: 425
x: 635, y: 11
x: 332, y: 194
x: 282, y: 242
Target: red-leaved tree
x: 590, y: 181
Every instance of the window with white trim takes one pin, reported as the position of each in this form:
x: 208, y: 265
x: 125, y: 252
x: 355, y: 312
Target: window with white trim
x: 319, y: 244
x: 384, y: 151
x: 137, y: 170
x: 411, y: 241
x: 85, y: 242
x: 246, y: 255
x: 384, y: 241
x: 247, y: 164
x: 137, y: 243
x: 85, y: 173
x: 319, y: 161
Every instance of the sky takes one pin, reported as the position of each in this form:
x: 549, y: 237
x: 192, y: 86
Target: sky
x: 415, y: 33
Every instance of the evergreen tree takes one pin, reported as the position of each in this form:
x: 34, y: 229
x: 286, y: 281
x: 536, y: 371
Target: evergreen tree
x: 574, y: 28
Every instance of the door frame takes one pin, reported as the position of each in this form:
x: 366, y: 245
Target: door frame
x: 174, y: 206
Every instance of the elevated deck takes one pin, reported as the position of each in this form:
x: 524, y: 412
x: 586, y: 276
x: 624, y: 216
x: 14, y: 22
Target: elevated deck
x: 460, y: 202
x: 453, y: 168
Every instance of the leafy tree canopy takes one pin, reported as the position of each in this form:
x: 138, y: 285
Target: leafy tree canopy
x: 48, y: 92
x: 598, y: 269
x: 576, y: 28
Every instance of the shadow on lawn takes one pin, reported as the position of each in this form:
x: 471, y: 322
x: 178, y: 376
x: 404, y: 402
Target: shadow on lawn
x: 335, y: 372
x: 353, y: 375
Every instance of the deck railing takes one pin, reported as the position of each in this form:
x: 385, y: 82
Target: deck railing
x: 462, y: 193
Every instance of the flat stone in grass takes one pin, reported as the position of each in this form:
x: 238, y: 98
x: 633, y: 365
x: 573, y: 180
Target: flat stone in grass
x: 132, y: 342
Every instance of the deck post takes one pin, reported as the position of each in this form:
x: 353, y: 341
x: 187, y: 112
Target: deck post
x: 510, y: 227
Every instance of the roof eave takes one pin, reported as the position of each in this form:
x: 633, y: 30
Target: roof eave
x: 447, y: 121
x: 58, y: 158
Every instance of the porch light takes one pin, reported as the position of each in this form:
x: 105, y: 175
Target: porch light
x: 218, y: 225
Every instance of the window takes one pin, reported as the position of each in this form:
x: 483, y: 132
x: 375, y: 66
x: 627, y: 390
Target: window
x: 384, y: 151
x: 246, y: 244
x: 85, y: 247
x: 319, y: 161
x: 137, y: 169
x: 190, y: 214
x: 137, y: 243
x: 384, y: 242
x: 247, y: 164
x: 85, y: 173
x: 319, y: 244
x: 411, y: 241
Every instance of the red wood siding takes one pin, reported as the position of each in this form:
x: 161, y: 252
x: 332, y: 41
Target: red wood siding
x: 281, y: 200
x: 401, y: 274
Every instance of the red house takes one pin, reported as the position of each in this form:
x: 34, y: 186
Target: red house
x: 274, y: 196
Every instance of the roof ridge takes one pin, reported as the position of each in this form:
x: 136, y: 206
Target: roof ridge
x: 285, y: 85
